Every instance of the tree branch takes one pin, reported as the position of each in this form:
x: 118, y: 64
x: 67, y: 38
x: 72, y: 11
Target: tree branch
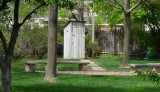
x: 112, y: 5
x: 14, y: 33
x: 0, y: 62
x: 27, y: 17
x: 4, y: 3
x: 3, y: 39
x: 16, y: 13
x: 134, y: 7
x: 119, y: 5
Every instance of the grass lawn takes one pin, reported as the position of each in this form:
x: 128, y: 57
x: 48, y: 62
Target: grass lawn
x: 33, y: 82
x: 112, y: 63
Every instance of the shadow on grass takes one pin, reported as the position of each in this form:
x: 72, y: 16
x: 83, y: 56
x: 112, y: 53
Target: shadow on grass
x: 80, y: 83
x: 64, y: 88
x: 70, y: 88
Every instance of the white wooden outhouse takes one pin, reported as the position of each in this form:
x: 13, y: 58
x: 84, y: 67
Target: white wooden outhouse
x: 74, y: 40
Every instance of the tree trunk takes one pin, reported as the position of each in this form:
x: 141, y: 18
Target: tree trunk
x: 81, y: 9
x: 51, y: 70
x: 6, y: 75
x: 93, y: 34
x: 126, y: 42
x: 6, y: 64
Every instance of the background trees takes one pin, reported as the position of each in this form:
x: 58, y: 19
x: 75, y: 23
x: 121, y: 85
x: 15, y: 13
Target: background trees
x: 127, y: 9
x: 5, y: 63
x: 148, y: 15
x: 141, y: 19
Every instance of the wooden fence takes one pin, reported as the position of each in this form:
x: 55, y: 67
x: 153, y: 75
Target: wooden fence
x: 111, y: 41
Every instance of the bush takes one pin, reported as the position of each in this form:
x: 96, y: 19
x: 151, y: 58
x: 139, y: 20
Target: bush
x: 152, y: 52
x: 45, y: 56
x: 88, y: 46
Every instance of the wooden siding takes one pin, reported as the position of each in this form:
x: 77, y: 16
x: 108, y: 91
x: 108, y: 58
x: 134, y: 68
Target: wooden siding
x: 74, y: 41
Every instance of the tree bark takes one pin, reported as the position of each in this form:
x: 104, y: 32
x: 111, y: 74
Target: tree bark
x: 6, y: 64
x: 126, y: 42
x: 6, y: 75
x: 93, y: 34
x: 51, y: 70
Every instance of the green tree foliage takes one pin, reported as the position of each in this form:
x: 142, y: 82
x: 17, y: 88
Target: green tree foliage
x: 147, y: 14
x: 68, y: 4
x: 113, y: 15
x: 5, y: 63
x: 150, y: 76
x: 31, y: 32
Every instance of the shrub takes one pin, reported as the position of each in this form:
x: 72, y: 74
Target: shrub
x: 88, y: 46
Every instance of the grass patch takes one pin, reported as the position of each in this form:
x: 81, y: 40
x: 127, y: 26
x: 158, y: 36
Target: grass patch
x: 33, y: 82
x: 112, y: 63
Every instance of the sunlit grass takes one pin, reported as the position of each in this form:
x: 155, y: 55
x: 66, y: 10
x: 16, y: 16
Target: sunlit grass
x: 112, y: 63
x: 33, y: 82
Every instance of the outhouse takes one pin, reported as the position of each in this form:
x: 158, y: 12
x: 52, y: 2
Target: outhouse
x: 74, y: 39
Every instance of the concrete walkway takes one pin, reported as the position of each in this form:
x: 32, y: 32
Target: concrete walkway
x: 94, y: 67
x: 96, y: 73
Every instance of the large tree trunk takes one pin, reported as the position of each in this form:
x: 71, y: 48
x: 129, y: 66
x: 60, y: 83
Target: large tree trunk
x: 6, y: 64
x: 6, y: 75
x: 93, y: 34
x: 51, y: 70
x: 126, y: 42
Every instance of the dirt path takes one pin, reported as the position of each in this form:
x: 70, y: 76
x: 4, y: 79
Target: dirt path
x: 96, y: 73
x: 92, y: 73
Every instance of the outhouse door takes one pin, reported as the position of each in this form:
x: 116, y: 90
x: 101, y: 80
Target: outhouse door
x: 78, y: 40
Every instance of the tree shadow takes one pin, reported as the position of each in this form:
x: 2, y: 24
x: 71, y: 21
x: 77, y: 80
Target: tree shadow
x: 71, y: 88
